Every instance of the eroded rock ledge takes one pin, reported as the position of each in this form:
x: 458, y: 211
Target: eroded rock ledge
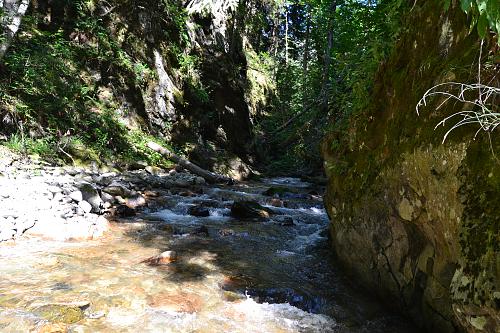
x: 415, y: 220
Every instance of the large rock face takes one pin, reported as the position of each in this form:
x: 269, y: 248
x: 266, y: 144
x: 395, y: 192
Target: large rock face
x: 415, y: 220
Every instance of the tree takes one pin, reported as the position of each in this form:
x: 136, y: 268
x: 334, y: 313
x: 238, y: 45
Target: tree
x: 11, y: 14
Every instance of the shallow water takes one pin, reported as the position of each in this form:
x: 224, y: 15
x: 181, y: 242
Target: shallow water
x: 230, y: 276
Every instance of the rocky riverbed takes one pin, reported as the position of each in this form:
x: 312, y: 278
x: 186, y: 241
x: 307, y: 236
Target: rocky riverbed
x: 66, y: 203
x: 89, y: 250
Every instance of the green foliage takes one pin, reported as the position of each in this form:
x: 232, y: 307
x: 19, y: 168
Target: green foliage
x: 485, y: 15
x: 50, y: 92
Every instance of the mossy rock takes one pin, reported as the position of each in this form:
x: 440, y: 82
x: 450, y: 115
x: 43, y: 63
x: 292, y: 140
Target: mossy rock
x: 60, y: 313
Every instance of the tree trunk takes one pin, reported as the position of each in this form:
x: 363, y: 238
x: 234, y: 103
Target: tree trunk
x: 328, y: 58
x: 305, y: 61
x: 13, y: 12
x: 286, y: 35
x: 209, y: 176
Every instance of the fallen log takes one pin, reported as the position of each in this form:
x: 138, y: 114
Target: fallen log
x: 209, y: 176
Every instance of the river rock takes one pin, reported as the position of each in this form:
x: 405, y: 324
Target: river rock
x: 284, y: 220
x: 276, y: 191
x: 76, y: 196
x: 199, y: 211
x: 163, y: 258
x: 124, y: 211
x: 91, y: 195
x: 248, y: 209
x: 200, y: 231
x: 136, y: 201
x: 60, y: 313
x: 85, y: 206
x: 106, y: 197
x: 183, y: 302
x: 117, y: 190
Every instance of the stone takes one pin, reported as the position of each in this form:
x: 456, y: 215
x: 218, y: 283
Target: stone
x: 125, y: 211
x: 277, y: 202
x: 200, y: 231
x: 60, y: 313
x: 106, y: 197
x: 284, y: 220
x: 117, y: 190
x: 163, y: 258
x: 276, y: 191
x: 155, y: 171
x: 199, y: 211
x: 91, y: 195
x: 183, y: 302
x: 54, y: 189
x: 152, y: 194
x: 136, y: 201
x: 76, y: 196
x: 406, y: 210
x: 226, y: 232
x: 85, y: 206
x: 248, y: 209
x: 137, y: 165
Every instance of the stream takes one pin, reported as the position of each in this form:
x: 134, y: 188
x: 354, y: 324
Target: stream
x: 229, y: 275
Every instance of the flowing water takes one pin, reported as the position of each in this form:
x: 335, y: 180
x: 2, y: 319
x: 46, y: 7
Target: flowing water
x: 230, y: 275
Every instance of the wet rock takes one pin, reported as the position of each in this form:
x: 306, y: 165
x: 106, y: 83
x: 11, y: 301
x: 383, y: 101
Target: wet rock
x: 125, y: 211
x: 52, y: 328
x: 286, y: 221
x: 186, y: 193
x: 226, y: 232
x: 248, y: 209
x: 277, y: 202
x: 163, y: 258
x: 183, y: 302
x: 199, y: 211
x: 277, y: 191
x: 152, y: 194
x: 60, y: 313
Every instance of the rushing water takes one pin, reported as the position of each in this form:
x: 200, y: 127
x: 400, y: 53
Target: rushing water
x: 230, y: 275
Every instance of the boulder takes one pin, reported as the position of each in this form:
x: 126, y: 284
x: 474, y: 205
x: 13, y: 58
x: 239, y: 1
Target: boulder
x: 248, y: 209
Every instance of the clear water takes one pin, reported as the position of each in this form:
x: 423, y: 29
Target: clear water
x: 244, y: 276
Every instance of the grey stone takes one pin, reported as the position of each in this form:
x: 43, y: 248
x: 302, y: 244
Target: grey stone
x: 76, y: 196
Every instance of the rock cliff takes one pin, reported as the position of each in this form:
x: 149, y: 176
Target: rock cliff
x: 415, y: 220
